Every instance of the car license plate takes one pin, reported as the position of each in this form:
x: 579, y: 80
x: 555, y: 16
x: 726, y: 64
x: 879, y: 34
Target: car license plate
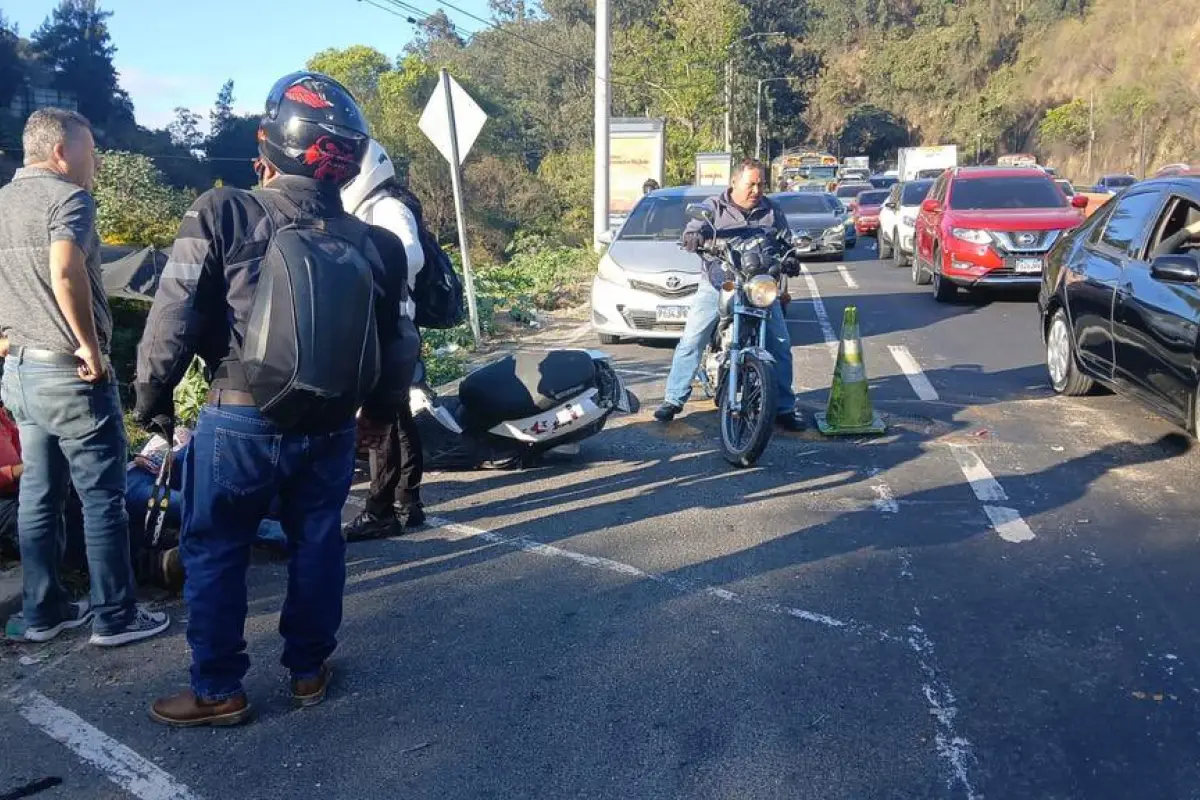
x: 672, y: 313
x: 1027, y: 266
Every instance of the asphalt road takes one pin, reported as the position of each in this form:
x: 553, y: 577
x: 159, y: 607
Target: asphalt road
x: 993, y: 600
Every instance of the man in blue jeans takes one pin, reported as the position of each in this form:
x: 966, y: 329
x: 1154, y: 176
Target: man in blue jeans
x: 233, y: 246
x: 742, y: 206
x: 59, y: 387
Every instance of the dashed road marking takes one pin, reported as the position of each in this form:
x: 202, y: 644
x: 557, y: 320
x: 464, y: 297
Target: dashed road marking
x: 1007, y: 522
x: 679, y: 584
x: 912, y: 370
x: 847, y: 277
x: 118, y: 763
x: 831, y: 339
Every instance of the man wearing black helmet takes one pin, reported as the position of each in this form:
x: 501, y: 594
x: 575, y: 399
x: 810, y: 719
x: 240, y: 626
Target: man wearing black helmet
x: 294, y: 306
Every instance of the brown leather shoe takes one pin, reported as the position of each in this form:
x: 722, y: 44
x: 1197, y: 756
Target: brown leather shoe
x: 186, y: 710
x: 311, y: 691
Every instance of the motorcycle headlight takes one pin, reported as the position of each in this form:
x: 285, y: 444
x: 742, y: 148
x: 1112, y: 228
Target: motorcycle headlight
x: 762, y: 291
x: 971, y: 235
x: 609, y: 271
x: 908, y: 221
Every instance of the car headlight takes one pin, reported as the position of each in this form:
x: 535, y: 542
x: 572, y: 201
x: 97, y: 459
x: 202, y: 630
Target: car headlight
x: 908, y: 222
x: 762, y: 290
x: 971, y: 235
x: 836, y: 230
x: 609, y: 271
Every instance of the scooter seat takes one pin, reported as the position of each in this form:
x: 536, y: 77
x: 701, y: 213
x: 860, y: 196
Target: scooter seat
x: 520, y: 386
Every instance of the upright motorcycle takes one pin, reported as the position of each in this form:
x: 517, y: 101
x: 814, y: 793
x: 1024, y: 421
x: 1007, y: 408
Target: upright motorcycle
x: 737, y: 370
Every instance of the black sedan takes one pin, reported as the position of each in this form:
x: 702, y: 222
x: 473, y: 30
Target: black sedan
x: 1120, y: 300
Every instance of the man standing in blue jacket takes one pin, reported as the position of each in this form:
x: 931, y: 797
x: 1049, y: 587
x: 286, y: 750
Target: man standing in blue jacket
x: 743, y: 205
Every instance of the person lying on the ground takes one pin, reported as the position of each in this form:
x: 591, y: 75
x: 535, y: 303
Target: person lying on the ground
x: 142, y: 473
x: 11, y: 470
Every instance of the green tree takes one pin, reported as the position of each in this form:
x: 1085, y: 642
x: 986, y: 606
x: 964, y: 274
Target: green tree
x: 1066, y: 124
x: 232, y: 151
x: 222, y: 110
x: 11, y: 69
x: 358, y: 68
x: 134, y: 204
x: 76, y: 44
x: 184, y: 129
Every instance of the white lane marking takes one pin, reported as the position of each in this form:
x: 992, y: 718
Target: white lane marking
x: 912, y: 370
x: 845, y: 273
x: 679, y: 584
x: 1007, y: 522
x: 831, y: 339
x: 122, y: 766
x: 952, y: 748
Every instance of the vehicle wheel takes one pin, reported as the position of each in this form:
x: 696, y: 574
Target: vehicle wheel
x: 898, y: 257
x: 920, y: 276
x: 606, y: 338
x: 1065, y: 377
x: 885, y: 247
x: 943, y: 290
x: 744, y: 436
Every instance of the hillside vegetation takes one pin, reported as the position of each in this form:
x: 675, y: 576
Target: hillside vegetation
x: 1016, y: 75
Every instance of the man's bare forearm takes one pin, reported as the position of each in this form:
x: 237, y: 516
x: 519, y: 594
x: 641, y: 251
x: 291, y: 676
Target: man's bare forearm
x: 73, y: 292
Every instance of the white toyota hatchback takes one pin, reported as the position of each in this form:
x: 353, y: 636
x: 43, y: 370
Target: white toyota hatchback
x: 645, y: 283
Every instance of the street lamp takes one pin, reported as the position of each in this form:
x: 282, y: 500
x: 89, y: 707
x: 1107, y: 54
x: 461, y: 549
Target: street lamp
x: 729, y: 83
x: 758, y: 111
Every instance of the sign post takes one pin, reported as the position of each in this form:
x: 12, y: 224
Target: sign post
x: 452, y: 121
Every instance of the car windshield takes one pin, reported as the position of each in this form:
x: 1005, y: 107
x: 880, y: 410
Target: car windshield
x: 818, y: 173
x: 852, y: 189
x: 882, y: 182
x: 872, y: 198
x: 1120, y: 181
x: 658, y: 218
x: 1008, y: 192
x: 803, y: 204
x: 914, y: 192
x: 1066, y: 186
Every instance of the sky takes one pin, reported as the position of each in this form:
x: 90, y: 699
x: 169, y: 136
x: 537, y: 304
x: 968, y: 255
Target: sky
x: 178, y: 53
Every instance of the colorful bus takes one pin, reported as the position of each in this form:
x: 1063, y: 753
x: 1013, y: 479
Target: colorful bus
x: 804, y: 167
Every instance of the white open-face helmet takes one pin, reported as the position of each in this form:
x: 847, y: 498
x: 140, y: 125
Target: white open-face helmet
x: 376, y: 168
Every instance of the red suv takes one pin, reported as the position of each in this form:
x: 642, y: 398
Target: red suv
x: 984, y: 227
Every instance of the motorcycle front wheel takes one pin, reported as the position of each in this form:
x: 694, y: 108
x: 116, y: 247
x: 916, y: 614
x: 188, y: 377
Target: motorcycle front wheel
x: 744, y: 435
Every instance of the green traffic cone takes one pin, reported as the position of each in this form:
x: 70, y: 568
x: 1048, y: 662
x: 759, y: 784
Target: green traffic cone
x: 849, y: 412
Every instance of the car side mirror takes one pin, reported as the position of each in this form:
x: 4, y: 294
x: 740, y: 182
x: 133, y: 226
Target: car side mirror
x: 1079, y: 201
x: 605, y: 238
x: 1175, y: 269
x: 931, y: 206
x: 890, y: 204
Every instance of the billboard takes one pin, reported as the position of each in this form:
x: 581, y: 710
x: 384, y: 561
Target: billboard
x: 636, y: 152
x: 714, y: 169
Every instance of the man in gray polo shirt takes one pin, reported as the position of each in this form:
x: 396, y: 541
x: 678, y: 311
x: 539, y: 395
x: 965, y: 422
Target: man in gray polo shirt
x: 58, y: 385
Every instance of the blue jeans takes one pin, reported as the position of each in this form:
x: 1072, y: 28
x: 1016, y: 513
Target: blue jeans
x: 701, y: 319
x: 237, y: 464
x: 71, y: 431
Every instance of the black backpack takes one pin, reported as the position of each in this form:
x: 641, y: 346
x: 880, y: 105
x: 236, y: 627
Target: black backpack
x: 311, y: 349
x: 438, y: 291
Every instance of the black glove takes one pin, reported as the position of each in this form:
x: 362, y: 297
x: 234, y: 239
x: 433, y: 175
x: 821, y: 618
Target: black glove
x: 155, y: 409
x: 791, y: 265
x: 693, y: 241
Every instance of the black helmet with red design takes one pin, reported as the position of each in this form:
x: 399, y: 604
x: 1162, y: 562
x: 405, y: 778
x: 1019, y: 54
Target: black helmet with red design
x: 313, y: 128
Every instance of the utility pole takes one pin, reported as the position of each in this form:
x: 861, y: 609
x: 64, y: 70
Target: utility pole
x: 758, y: 113
x: 1091, y: 131
x: 603, y: 105
x: 729, y: 83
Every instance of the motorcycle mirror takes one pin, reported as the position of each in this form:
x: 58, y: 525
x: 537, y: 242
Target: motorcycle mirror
x: 698, y: 212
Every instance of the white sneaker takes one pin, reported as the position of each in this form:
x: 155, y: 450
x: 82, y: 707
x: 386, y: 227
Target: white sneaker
x: 78, y: 614
x: 144, y: 625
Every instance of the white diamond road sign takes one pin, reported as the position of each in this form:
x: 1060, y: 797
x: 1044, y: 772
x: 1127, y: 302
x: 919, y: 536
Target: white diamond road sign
x: 468, y: 118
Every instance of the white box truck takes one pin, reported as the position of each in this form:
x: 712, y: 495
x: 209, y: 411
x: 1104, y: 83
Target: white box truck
x: 926, y: 162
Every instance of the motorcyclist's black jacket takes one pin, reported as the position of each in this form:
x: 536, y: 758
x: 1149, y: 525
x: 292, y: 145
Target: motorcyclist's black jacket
x: 207, y: 290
